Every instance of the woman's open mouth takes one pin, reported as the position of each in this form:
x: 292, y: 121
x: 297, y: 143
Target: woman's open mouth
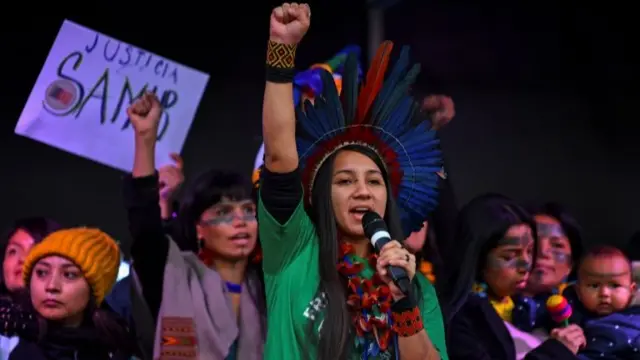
x: 359, y: 211
x: 241, y: 238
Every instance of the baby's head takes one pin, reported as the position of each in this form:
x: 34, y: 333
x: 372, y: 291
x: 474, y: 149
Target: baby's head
x: 605, y: 283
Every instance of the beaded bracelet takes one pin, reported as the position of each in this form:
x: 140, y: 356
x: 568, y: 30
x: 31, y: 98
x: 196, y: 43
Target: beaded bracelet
x: 280, y: 62
x: 408, y: 322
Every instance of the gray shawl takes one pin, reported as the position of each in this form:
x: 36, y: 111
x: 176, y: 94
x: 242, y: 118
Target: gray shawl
x: 195, y: 305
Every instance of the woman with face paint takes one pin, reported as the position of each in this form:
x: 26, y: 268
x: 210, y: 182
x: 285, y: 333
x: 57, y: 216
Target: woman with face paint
x: 498, y: 238
x: 208, y: 305
x: 559, y: 243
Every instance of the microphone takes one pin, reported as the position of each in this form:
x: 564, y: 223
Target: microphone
x: 376, y: 230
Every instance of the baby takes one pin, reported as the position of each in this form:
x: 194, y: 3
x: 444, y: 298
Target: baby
x: 606, y: 290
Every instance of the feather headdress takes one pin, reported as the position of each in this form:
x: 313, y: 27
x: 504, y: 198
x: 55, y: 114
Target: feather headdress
x: 380, y: 115
x: 309, y: 83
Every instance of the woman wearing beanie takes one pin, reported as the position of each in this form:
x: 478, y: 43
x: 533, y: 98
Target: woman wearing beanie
x: 67, y: 276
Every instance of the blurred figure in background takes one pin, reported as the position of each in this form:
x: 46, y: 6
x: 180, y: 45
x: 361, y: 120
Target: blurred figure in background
x: 15, y: 246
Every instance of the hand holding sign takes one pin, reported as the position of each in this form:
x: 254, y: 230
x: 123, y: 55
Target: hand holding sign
x: 289, y: 23
x: 144, y: 115
x: 78, y: 104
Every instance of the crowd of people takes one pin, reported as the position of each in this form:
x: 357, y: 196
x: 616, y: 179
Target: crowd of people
x: 279, y: 265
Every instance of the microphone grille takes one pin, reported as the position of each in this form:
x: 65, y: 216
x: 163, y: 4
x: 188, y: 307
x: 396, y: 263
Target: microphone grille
x: 371, y: 222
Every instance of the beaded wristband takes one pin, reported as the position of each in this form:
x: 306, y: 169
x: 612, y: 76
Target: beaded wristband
x: 280, y: 62
x: 407, y: 323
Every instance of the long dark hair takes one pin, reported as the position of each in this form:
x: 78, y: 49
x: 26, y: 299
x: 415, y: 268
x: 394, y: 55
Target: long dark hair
x: 480, y: 225
x: 335, y: 340
x: 37, y: 227
x: 206, y: 190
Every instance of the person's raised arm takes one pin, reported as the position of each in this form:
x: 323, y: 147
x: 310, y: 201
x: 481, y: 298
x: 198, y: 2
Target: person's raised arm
x: 283, y: 232
x: 142, y: 202
x: 288, y: 24
x: 144, y: 115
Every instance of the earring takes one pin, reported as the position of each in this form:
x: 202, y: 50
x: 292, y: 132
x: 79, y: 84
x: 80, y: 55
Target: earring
x: 480, y: 289
x: 205, y: 255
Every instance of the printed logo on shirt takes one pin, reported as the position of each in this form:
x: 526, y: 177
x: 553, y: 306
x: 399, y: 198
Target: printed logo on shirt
x: 315, y: 308
x: 381, y: 356
x: 314, y: 312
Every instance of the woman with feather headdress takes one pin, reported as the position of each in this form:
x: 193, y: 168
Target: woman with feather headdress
x: 327, y: 163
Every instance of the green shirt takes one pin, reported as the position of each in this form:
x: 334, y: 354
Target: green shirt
x: 290, y: 261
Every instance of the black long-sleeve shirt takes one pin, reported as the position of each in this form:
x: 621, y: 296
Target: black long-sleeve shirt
x: 150, y: 245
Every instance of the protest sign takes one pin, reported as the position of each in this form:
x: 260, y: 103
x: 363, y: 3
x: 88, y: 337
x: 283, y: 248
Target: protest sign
x: 79, y: 101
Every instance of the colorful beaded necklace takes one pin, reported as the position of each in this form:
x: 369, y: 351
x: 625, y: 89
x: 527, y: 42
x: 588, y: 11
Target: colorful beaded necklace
x: 369, y: 301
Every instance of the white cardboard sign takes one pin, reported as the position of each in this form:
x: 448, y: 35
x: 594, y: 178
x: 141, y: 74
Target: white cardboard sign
x: 79, y: 101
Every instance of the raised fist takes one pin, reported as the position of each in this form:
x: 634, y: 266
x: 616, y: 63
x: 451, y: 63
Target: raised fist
x: 289, y: 23
x: 441, y: 108
x: 144, y: 115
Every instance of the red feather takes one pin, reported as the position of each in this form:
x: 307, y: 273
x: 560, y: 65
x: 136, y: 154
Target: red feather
x: 373, y: 81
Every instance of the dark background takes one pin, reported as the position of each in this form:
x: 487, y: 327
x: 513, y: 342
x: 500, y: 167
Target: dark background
x: 544, y: 97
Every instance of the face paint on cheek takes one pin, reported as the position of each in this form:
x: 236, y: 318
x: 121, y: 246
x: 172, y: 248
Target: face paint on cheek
x: 495, y: 263
x: 561, y: 257
x: 522, y: 265
x: 228, y: 219
x: 498, y: 263
x: 248, y: 217
x: 550, y: 230
x: 523, y: 240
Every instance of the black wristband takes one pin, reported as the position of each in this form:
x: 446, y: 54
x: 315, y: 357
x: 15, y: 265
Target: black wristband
x: 406, y: 303
x: 280, y: 75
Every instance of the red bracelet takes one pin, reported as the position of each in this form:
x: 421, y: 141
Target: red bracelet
x: 407, y: 323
